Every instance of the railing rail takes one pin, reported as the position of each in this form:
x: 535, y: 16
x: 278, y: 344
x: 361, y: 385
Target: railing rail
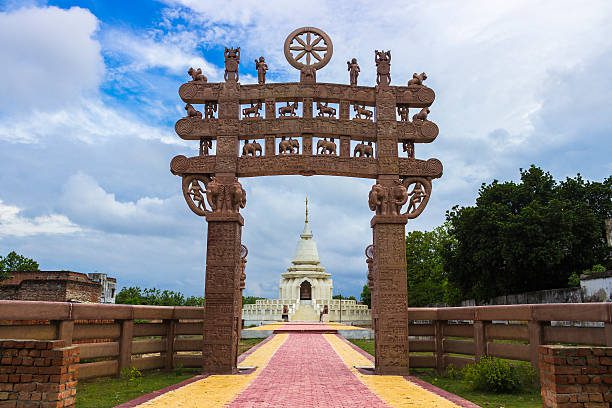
x: 113, y: 337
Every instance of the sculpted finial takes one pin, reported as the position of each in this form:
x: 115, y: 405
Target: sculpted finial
x: 383, y: 67
x: 261, y: 67
x: 306, y: 207
x: 353, y: 68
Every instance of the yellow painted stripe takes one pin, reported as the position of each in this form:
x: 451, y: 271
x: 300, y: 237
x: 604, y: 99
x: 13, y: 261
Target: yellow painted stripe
x: 394, y: 390
x: 219, y: 390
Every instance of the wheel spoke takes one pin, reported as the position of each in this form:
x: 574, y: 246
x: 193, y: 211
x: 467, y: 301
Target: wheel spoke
x: 300, y: 55
x: 316, y: 41
x: 308, y: 59
x: 298, y: 39
x: 296, y: 48
x: 319, y: 48
x: 316, y: 55
x: 308, y: 37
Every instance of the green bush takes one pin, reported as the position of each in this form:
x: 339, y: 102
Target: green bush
x: 131, y: 375
x: 493, y: 375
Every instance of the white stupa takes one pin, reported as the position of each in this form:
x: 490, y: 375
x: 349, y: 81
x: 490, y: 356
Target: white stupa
x: 305, y: 281
x: 305, y: 289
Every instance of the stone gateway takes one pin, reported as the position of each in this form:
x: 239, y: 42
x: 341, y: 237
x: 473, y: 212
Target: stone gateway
x: 311, y: 145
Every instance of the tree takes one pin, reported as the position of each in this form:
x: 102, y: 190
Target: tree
x: 151, y: 296
x: 366, y: 296
x: 527, y: 236
x: 427, y: 281
x: 14, y: 262
x: 250, y: 300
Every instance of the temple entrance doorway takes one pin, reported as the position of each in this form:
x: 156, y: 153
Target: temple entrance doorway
x: 305, y: 291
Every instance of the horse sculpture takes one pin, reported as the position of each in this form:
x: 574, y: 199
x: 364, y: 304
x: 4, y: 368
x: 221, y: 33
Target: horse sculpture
x: 253, y: 110
x: 362, y: 112
x: 288, y: 110
x: 326, y: 146
x: 290, y: 146
x: 251, y: 148
x: 325, y: 110
x: 362, y: 150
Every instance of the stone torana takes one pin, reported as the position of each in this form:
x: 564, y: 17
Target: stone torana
x: 305, y: 292
x: 306, y: 128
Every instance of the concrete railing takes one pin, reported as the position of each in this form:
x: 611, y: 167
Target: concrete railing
x: 112, y: 337
x: 461, y: 335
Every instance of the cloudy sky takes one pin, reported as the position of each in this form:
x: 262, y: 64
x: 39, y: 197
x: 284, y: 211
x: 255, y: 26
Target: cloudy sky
x: 88, y: 101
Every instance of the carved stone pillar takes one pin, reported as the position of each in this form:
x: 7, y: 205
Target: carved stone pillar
x: 389, y: 291
x: 223, y: 295
x: 345, y: 146
x: 307, y: 144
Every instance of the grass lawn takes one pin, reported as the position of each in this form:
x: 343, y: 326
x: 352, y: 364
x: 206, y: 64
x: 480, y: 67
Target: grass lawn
x: 110, y: 391
x: 528, y: 398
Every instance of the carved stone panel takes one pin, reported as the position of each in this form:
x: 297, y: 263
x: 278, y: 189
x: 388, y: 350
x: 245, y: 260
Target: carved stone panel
x: 389, y: 295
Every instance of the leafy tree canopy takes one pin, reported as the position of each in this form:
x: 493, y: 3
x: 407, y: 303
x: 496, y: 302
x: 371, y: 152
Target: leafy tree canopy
x: 15, y: 262
x: 134, y: 295
x: 427, y: 281
x: 527, y: 236
x: 366, y: 296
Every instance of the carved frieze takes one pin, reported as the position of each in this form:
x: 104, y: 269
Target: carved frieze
x: 415, y: 96
x: 199, y: 92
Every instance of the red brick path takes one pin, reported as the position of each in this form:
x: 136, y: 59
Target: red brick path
x: 307, y: 372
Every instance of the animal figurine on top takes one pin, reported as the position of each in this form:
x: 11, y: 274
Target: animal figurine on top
x: 192, y: 112
x: 417, y: 79
x: 422, y: 115
x: 197, y: 75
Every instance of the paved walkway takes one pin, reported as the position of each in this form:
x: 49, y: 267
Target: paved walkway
x: 306, y: 370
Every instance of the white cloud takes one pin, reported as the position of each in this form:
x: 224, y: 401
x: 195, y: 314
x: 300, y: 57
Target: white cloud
x: 91, y: 122
x: 86, y: 202
x: 49, y: 59
x: 16, y: 225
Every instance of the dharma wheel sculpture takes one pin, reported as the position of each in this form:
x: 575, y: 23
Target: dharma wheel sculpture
x: 252, y: 130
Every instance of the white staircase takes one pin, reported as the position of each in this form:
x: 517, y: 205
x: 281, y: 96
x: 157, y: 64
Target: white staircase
x: 305, y: 313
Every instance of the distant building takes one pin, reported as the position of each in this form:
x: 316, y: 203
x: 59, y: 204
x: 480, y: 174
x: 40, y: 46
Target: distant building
x: 109, y: 286
x: 56, y: 286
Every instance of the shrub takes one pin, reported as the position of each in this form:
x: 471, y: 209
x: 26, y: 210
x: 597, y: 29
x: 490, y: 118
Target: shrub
x: 453, y: 372
x: 493, y: 375
x: 131, y: 375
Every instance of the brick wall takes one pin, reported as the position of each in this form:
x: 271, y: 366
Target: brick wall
x: 55, y: 286
x: 576, y: 377
x: 37, y: 374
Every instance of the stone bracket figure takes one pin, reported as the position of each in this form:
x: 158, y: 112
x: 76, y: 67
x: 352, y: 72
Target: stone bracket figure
x: 402, y: 111
x: 408, y: 147
x: 221, y: 198
x: 205, y: 146
x: 209, y: 110
x: 383, y: 67
x: 388, y: 199
x: 261, y: 68
x: 232, y: 60
x: 418, y: 196
x: 353, y: 68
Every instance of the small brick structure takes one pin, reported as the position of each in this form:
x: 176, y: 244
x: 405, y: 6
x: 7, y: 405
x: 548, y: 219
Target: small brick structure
x: 53, y: 286
x: 37, y: 374
x: 576, y: 377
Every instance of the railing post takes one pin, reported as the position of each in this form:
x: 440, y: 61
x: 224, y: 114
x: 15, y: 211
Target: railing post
x: 439, y: 345
x: 536, y: 338
x: 65, y: 329
x: 170, y: 330
x: 480, y: 339
x: 125, y: 344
